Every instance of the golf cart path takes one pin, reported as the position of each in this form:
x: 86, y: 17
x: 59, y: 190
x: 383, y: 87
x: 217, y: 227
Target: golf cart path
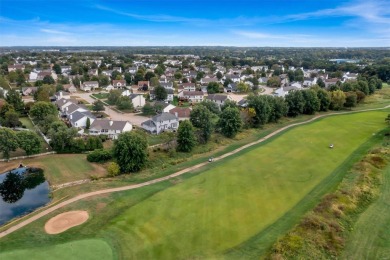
x: 140, y: 185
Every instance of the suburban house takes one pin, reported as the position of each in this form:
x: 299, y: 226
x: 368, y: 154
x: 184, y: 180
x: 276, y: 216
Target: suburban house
x: 15, y: 67
x: 170, y: 95
x: 218, y: 99
x: 191, y: 96
x: 119, y: 69
x: 68, y: 110
x: 168, y: 85
x: 93, y: 72
x: 330, y: 82
x: 119, y: 83
x: 141, y: 84
x: 168, y: 108
x: 308, y: 82
x: 182, y: 113
x: 160, y: 123
x: 70, y: 88
x: 29, y: 91
x: 42, y: 74
x: 137, y: 100
x: 89, y: 85
x: 63, y: 103
x: 109, y: 127
x: 132, y: 70
x: 232, y: 87
x: 280, y: 92
x: 66, y: 69
x: 61, y: 94
x: 187, y: 87
x: 350, y: 76
x: 206, y: 81
x: 80, y: 118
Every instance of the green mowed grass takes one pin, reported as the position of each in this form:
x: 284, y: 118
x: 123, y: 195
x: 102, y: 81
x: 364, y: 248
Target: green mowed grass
x: 370, y: 238
x: 81, y: 249
x: 227, y: 205
x: 219, y: 208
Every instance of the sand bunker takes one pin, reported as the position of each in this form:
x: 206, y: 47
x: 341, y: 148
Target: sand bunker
x: 64, y: 221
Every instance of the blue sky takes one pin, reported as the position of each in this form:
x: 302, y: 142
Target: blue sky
x: 278, y: 23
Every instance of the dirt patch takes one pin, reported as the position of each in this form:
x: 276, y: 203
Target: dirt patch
x: 64, y: 221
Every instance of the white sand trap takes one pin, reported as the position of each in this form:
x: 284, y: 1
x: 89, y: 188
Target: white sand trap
x: 64, y: 221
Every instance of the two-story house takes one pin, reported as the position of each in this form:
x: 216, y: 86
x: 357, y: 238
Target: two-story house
x: 191, y: 96
x: 218, y: 99
x: 109, y: 127
x: 119, y: 83
x: 160, y: 123
x: 89, y: 85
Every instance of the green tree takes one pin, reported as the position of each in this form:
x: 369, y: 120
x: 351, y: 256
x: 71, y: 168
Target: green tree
x: 154, y: 82
x: 242, y: 87
x: 324, y: 98
x: 278, y: 108
x: 40, y: 110
x: 178, y: 75
x: 5, y: 108
x: 124, y: 103
x: 98, y: 106
x: 130, y: 151
x: 8, y: 142
x: 149, y: 75
x: 295, y: 102
x: 44, y: 93
x: 29, y: 141
x: 219, y: 75
x: 262, y: 109
x: 61, y: 137
x: 88, y: 123
x: 230, y: 122
x: 11, y: 119
x: 48, y: 80
x: 350, y: 99
x: 57, y: 69
x: 200, y: 117
x: 337, y: 100
x: 15, y: 99
x: 320, y: 83
x: 228, y: 103
x: 273, y: 82
x: 113, y: 96
x: 160, y: 93
x: 213, y: 87
x: 211, y: 106
x: 312, y: 103
x: 148, y: 110
x: 138, y: 77
x: 186, y: 140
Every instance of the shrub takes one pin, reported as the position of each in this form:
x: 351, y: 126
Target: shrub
x: 113, y: 169
x: 99, y: 155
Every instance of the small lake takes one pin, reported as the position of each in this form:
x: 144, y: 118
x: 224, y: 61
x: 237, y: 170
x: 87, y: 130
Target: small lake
x: 22, y: 190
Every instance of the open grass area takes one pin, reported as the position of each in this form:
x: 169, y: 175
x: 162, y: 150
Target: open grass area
x: 60, y: 168
x: 100, y: 95
x: 370, y: 238
x: 82, y: 249
x: 380, y: 98
x: 225, y: 206
x: 27, y: 123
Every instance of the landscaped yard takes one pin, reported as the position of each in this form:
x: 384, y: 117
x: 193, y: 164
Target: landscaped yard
x: 237, y: 203
x: 27, y: 123
x: 100, y: 95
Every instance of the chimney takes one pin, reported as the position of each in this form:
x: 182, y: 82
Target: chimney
x: 66, y: 109
x: 71, y: 116
x: 176, y: 114
x: 111, y: 122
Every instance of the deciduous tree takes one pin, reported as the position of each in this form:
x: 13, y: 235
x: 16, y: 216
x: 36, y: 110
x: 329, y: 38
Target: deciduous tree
x: 8, y: 142
x: 230, y: 122
x: 130, y: 151
x: 186, y: 139
x: 29, y: 141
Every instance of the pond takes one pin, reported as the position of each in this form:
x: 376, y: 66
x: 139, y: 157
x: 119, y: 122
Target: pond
x: 22, y: 190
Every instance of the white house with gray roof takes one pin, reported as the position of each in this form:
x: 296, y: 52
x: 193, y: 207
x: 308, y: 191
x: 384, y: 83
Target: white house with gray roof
x: 79, y: 119
x: 161, y: 123
x: 109, y: 127
x: 218, y: 99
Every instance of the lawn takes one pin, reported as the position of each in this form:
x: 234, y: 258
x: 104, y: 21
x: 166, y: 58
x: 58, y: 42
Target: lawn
x: 60, y: 168
x: 100, y: 95
x: 82, y: 249
x: 227, y: 205
x: 27, y: 123
x: 370, y: 238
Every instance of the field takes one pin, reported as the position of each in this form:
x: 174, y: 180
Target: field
x: 83, y: 249
x: 370, y: 238
x: 60, y: 168
x: 237, y: 203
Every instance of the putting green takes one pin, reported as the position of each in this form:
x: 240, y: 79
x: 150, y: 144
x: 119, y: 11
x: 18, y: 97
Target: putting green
x: 238, y: 198
x: 80, y: 249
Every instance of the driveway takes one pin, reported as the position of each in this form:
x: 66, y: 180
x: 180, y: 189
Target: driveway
x: 112, y: 114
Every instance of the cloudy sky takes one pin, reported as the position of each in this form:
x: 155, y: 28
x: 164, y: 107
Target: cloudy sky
x: 278, y: 23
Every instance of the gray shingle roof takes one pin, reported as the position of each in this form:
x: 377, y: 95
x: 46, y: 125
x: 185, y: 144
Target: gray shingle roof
x: 105, y: 124
x: 164, y: 117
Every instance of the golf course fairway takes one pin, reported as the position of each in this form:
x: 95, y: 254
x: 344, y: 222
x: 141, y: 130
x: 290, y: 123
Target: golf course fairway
x: 234, y: 199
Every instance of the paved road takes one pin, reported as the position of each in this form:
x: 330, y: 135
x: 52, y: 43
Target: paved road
x: 114, y: 115
x: 136, y: 186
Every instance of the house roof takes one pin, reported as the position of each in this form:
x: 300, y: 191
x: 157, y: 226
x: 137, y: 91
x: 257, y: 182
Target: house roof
x: 91, y: 83
x: 180, y: 111
x: 193, y: 93
x: 148, y: 123
x: 77, y: 115
x: 164, y: 117
x: 121, y: 81
x: 217, y: 97
x: 132, y: 96
x: 108, y: 124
